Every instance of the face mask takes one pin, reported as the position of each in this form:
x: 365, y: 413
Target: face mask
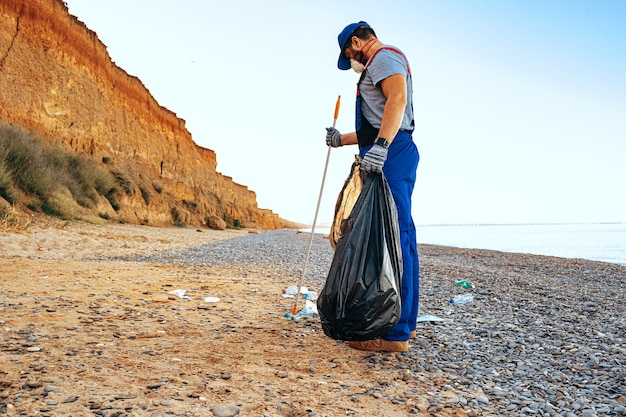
x: 357, y: 66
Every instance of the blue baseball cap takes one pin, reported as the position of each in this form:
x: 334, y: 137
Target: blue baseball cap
x: 344, y: 63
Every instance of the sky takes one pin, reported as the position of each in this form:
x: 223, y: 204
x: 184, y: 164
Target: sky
x: 520, y: 105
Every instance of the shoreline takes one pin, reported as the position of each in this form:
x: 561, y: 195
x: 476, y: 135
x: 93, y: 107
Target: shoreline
x: 544, y: 240
x: 103, y: 334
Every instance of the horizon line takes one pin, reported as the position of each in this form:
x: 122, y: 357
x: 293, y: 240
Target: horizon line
x: 327, y: 225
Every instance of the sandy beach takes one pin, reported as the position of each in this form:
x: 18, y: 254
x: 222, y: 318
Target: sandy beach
x: 87, y: 329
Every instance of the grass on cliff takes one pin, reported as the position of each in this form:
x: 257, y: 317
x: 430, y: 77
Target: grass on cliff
x: 48, y: 179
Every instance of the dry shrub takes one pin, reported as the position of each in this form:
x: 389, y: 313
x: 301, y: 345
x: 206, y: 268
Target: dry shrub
x: 45, y: 175
x: 124, y: 181
x: 12, y: 220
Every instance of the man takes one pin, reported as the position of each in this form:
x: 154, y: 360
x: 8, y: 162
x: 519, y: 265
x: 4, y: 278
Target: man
x: 384, y: 126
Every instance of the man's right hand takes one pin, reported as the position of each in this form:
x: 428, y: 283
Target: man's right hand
x: 333, y: 137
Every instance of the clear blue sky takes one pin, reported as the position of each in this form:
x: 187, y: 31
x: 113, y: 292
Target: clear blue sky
x: 520, y: 105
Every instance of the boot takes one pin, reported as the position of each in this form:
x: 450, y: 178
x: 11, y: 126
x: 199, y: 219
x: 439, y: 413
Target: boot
x: 379, y: 345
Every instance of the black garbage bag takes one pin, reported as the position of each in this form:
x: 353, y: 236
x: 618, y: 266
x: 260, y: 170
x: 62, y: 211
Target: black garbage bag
x: 361, y: 297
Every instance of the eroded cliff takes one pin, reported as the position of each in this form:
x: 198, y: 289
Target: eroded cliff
x: 58, y: 80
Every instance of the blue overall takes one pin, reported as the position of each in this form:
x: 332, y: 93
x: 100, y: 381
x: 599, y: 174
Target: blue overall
x: 400, y: 171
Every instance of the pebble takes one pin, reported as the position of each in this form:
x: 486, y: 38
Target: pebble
x: 228, y: 411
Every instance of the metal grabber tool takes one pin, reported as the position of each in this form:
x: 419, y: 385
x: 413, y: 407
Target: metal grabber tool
x: 317, y: 209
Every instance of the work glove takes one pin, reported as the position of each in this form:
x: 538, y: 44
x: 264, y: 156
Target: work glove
x: 333, y: 137
x: 374, y: 159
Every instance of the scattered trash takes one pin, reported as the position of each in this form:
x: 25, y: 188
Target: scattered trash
x: 463, y: 298
x: 291, y: 292
x: 428, y: 317
x: 309, y: 310
x: 311, y: 295
x: 212, y: 299
x: 305, y: 312
x: 180, y: 293
x: 464, y: 283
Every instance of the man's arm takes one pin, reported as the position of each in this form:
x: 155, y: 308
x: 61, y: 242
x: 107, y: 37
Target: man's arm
x: 394, y: 89
x: 349, y: 138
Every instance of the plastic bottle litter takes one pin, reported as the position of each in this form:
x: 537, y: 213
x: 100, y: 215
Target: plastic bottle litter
x: 464, y: 283
x: 307, y: 311
x: 291, y: 291
x: 463, y: 298
x: 311, y: 295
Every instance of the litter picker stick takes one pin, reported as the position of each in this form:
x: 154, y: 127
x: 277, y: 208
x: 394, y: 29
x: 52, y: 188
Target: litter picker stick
x: 317, y: 209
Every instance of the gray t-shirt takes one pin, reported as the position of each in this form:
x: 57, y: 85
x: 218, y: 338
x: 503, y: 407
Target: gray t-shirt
x: 385, y: 63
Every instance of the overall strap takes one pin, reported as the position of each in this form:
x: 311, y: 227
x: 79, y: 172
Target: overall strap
x: 369, y: 61
x: 390, y: 48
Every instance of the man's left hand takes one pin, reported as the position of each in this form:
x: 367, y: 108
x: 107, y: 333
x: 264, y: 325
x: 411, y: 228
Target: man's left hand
x: 374, y: 159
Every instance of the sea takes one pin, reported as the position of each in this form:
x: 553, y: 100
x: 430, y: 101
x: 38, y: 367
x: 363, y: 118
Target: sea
x: 605, y: 242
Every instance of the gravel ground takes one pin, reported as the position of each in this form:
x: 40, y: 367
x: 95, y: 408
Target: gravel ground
x: 279, y: 249
x: 543, y: 336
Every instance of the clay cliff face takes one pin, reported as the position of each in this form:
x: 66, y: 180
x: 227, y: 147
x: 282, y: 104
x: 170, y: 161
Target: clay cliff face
x: 57, y: 80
